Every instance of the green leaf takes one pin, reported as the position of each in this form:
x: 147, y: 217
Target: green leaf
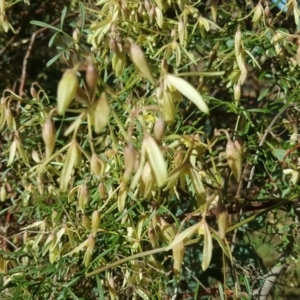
x: 50, y: 43
x: 45, y: 25
x: 63, y: 16
x: 55, y: 58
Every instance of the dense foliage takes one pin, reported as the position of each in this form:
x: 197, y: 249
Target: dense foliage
x: 149, y: 149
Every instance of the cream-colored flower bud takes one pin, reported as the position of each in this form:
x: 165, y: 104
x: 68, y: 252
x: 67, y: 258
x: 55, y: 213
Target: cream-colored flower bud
x: 76, y: 37
x: 101, y: 113
x: 152, y: 13
x: 140, y: 9
x: 3, y: 193
x: 237, y: 93
x: 129, y: 161
x: 258, y: 12
x: 234, y: 159
x: 91, y: 76
x: 122, y: 195
x: 159, y: 130
x: 102, y: 190
x: 178, y: 157
x: 222, y: 218
x: 267, y: 10
x: 89, y: 250
x: 139, y: 60
x: 147, y: 181
x: 159, y: 17
x: 83, y: 195
x: 147, y: 5
x: 40, y: 185
x: 35, y: 156
x: 86, y: 222
x: 48, y: 135
x: 167, y: 107
x: 182, y: 31
x: 239, y: 144
x: 97, y: 166
x: 95, y: 222
x: 66, y: 90
x: 34, y: 94
x: 238, y: 41
x: 113, y: 45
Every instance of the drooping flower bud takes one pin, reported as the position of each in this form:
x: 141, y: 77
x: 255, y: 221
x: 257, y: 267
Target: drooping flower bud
x: 139, y: 60
x: 129, y: 160
x: 91, y: 76
x: 159, y: 130
x: 234, y: 159
x: 83, y: 197
x: 95, y: 222
x: 101, y: 113
x: 97, y: 166
x: 48, y: 135
x: 66, y: 91
x: 89, y: 250
x: 222, y: 218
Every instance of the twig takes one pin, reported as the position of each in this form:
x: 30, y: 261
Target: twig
x: 271, y: 278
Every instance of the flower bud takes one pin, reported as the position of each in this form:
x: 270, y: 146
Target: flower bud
x: 102, y: 190
x: 139, y: 60
x: 222, y: 218
x: 237, y: 93
x: 83, y: 197
x: 101, y: 113
x: 95, y: 222
x: 86, y: 222
x: 147, y: 5
x: 89, y: 250
x: 238, y: 41
x: 97, y: 166
x: 122, y: 194
x: 234, y: 159
x: 48, y: 135
x: 91, y: 76
x: 140, y: 9
x: 129, y: 160
x: 159, y: 130
x: 181, y: 31
x: 35, y: 156
x: 34, y: 93
x: 40, y: 185
x: 66, y: 90
x: 3, y: 193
